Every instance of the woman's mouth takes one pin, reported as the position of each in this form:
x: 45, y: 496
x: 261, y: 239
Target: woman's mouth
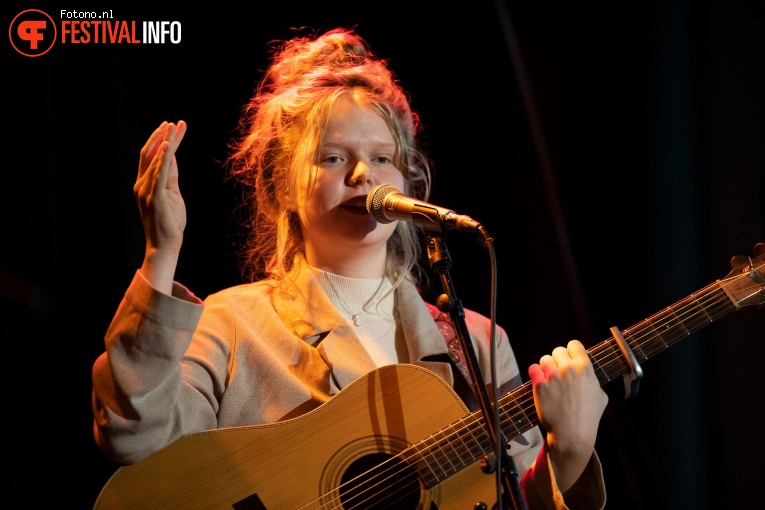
x: 356, y: 205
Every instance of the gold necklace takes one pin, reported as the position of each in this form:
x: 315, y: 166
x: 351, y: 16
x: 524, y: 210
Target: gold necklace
x: 355, y: 317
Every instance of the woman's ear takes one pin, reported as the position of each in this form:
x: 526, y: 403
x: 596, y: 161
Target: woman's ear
x: 290, y: 204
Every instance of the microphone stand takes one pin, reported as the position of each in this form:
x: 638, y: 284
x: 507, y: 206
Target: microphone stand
x: 504, y: 468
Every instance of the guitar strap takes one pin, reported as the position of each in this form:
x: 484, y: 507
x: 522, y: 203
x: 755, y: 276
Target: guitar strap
x: 463, y: 383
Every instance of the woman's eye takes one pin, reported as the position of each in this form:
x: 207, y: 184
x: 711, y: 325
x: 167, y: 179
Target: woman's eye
x: 332, y: 159
x: 383, y: 160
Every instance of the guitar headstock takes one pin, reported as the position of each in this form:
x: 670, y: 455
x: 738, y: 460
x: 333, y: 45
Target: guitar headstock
x: 745, y: 285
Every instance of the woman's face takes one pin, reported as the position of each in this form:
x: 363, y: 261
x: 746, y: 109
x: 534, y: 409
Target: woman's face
x: 356, y: 154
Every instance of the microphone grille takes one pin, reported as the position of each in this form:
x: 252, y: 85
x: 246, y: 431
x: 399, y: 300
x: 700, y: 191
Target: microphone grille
x: 375, y: 201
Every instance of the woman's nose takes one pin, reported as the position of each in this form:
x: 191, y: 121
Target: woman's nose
x: 360, y: 174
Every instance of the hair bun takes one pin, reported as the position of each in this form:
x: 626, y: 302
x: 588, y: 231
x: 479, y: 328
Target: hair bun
x: 333, y: 50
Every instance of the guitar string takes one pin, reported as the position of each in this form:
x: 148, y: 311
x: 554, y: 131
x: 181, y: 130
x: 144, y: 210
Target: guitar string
x: 698, y: 307
x: 678, y: 312
x: 719, y: 293
x: 375, y: 497
x: 471, y: 425
x: 370, y: 493
x: 701, y: 306
x: 677, y: 316
x: 646, y: 333
x: 695, y: 307
x: 687, y: 304
x: 406, y: 456
x: 691, y: 308
x: 691, y: 305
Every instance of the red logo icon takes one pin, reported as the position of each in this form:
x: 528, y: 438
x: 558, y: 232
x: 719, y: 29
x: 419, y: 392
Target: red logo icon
x: 32, y: 33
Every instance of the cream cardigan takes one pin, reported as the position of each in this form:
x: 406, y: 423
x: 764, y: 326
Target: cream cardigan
x: 253, y: 354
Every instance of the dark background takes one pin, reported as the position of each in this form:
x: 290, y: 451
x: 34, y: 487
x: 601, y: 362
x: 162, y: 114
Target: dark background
x: 645, y: 179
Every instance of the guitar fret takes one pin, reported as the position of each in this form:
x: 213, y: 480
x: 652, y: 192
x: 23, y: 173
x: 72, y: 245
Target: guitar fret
x: 603, y: 358
x: 695, y: 317
x: 716, y: 306
x: 420, y: 462
x: 670, y: 327
x: 676, y: 322
x: 445, y: 445
x: 517, y: 418
x: 461, y: 449
x: 651, y: 338
x: 699, y: 303
x: 434, y: 454
x: 435, y: 449
x: 468, y: 441
x: 636, y: 344
x: 720, y: 306
x: 474, y: 443
x: 645, y: 334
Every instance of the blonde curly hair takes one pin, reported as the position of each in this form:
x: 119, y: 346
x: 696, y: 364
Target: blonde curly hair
x: 281, y: 130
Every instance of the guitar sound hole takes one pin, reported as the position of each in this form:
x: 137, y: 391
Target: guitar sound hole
x: 379, y: 481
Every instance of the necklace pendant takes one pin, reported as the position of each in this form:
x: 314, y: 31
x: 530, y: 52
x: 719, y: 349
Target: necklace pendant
x: 356, y: 319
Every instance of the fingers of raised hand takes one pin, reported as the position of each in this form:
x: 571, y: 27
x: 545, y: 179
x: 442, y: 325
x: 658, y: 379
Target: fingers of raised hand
x: 165, y: 157
x: 150, y: 148
x: 166, y: 132
x: 150, y: 161
x: 177, y: 136
x: 151, y: 178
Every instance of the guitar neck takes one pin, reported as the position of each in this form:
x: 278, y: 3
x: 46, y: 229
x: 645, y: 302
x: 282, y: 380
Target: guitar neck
x: 462, y: 443
x: 660, y: 331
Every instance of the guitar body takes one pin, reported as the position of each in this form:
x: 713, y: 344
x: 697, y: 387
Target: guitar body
x: 308, y: 462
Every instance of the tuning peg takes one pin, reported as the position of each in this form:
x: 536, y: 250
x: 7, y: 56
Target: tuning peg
x: 738, y: 260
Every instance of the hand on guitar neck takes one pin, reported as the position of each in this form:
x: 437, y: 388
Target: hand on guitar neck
x: 570, y: 403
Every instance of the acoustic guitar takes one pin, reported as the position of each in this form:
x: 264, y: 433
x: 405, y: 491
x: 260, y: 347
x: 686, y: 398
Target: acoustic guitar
x: 398, y: 437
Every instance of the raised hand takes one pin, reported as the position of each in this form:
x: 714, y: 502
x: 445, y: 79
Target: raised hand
x: 570, y: 403
x: 163, y: 212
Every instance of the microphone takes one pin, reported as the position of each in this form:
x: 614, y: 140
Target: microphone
x: 387, y: 204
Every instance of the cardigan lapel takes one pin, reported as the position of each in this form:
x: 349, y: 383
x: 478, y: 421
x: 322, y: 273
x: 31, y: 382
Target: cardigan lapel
x: 321, y: 325
x: 426, y: 344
